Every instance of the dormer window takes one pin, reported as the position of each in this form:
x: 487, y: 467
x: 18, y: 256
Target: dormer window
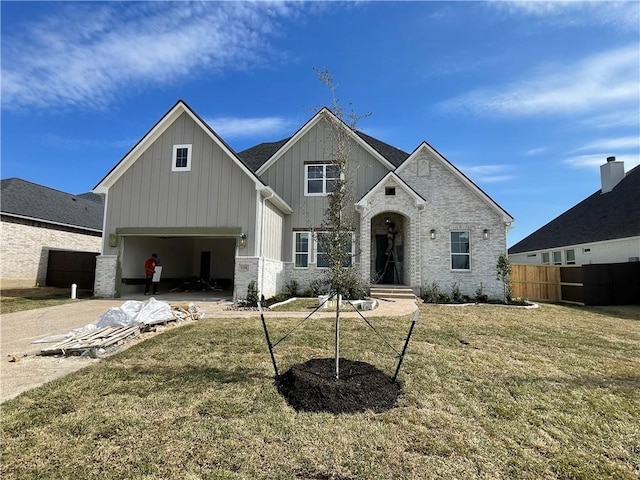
x: 181, y: 159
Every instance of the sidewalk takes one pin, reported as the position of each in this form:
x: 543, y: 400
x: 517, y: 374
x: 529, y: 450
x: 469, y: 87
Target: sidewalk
x: 19, y: 330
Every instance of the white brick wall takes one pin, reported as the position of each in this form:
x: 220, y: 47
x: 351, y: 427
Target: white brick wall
x: 24, y: 250
x: 106, y: 270
x: 375, y: 211
x: 272, y: 279
x: 246, y: 270
x: 453, y: 206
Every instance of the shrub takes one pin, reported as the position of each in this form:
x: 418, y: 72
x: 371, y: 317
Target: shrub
x: 358, y: 291
x: 252, y: 294
x: 292, y: 288
x: 481, y: 297
x: 319, y: 287
x: 430, y: 293
x: 456, y: 295
x: 444, y: 298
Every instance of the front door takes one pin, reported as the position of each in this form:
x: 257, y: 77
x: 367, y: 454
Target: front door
x: 385, y: 264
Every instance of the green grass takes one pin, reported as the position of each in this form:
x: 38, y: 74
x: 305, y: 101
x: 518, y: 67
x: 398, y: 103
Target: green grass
x: 488, y: 392
x: 18, y: 299
x: 297, y: 305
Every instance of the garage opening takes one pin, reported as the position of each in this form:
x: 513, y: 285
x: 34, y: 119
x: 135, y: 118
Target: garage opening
x: 188, y: 263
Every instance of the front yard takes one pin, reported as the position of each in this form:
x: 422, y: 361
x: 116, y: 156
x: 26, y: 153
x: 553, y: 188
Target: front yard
x: 488, y: 392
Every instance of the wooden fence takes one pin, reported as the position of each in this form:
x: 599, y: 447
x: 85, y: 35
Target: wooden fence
x: 597, y: 284
x: 536, y: 282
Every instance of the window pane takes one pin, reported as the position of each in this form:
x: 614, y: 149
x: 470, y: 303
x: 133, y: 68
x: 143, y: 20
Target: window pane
x: 181, y: 157
x: 314, y: 171
x: 302, y: 249
x: 314, y: 186
x: 302, y: 260
x: 459, y: 242
x: 332, y: 171
x: 460, y: 262
x: 557, y: 258
x: 331, y: 186
x: 571, y: 255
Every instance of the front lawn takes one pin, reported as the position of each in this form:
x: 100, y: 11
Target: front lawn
x: 489, y: 392
x: 18, y: 299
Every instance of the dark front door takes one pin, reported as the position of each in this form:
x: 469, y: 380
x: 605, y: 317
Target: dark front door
x: 205, y: 266
x: 385, y: 265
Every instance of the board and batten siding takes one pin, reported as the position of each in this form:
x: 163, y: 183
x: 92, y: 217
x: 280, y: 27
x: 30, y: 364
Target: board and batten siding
x: 214, y: 193
x: 272, y: 232
x: 287, y: 176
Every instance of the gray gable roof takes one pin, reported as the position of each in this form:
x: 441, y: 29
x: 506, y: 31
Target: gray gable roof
x: 257, y: 155
x: 30, y: 200
x: 597, y: 218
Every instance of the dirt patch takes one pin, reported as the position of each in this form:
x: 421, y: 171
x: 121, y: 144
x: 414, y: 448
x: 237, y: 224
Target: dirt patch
x: 311, y: 386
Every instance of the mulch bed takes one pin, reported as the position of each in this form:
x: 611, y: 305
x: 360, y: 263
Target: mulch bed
x: 311, y: 386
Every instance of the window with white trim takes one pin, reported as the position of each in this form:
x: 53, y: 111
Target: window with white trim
x: 557, y: 257
x: 181, y: 158
x: 460, y: 251
x: 322, y: 261
x: 301, y: 249
x: 320, y: 178
x: 545, y: 258
x: 570, y: 257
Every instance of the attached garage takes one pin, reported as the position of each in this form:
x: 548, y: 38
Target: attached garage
x: 185, y: 255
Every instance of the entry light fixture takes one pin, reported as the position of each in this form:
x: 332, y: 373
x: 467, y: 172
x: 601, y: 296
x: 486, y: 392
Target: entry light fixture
x: 243, y: 241
x: 485, y: 234
x: 433, y: 233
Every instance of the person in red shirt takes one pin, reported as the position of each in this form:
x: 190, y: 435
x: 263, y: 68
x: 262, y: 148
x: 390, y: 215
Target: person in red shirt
x: 149, y: 268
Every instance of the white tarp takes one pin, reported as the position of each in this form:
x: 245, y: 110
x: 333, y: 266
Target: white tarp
x: 133, y: 312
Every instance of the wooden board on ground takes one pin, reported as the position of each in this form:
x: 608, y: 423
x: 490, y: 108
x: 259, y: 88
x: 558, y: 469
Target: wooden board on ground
x: 85, y: 341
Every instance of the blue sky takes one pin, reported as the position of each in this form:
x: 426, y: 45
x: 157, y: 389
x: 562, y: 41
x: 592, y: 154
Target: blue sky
x: 526, y: 98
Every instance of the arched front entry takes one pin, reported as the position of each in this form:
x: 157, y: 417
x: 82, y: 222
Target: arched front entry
x: 389, y: 238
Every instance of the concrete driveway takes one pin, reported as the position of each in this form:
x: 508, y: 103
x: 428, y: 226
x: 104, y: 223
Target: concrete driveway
x: 21, y: 368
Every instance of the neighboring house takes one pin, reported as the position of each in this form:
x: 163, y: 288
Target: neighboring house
x: 603, y: 228
x: 210, y: 212
x: 37, y: 220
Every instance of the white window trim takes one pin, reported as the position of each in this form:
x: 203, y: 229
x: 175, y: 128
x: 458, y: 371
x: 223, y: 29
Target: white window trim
x: 553, y: 257
x: 451, y: 253
x: 295, y: 252
x: 566, y: 256
x: 174, y: 156
x: 315, y: 248
x: 324, y: 166
x: 548, y: 256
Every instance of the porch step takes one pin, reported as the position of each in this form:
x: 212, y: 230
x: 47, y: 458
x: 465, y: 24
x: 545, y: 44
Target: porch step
x: 392, y: 292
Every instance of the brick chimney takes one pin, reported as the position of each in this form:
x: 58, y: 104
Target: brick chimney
x: 610, y: 174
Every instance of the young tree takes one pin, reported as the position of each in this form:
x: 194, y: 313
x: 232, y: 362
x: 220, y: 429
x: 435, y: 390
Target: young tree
x: 339, y: 222
x: 503, y: 273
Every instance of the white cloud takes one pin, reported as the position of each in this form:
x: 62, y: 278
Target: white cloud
x: 619, y: 118
x: 622, y: 15
x: 605, y: 80
x: 536, y: 151
x: 612, y: 144
x: 597, y: 159
x: 488, y: 173
x: 230, y: 127
x: 86, y: 54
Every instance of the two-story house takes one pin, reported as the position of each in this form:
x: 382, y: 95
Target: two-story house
x: 210, y: 212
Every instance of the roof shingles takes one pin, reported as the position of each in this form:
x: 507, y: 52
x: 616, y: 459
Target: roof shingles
x: 25, y: 199
x: 597, y: 218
